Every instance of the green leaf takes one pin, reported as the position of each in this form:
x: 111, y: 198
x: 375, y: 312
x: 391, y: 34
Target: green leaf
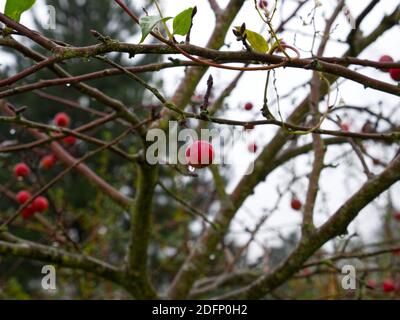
x: 256, y: 40
x: 14, y: 8
x: 183, y: 22
x: 148, y: 23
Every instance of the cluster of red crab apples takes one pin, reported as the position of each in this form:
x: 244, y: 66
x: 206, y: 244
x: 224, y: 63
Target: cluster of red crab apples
x: 39, y: 204
x: 22, y: 171
x: 388, y: 285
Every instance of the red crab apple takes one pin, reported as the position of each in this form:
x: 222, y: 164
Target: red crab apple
x: 40, y: 204
x: 48, y: 161
x: 62, y: 119
x: 296, y: 204
x: 385, y: 58
x: 200, y: 154
x: 388, y: 285
x: 263, y: 4
x: 28, y: 212
x: 248, y: 106
x: 23, y: 196
x: 21, y: 170
x: 395, y: 74
x: 345, y: 127
x: 69, y: 140
x: 396, y: 215
x: 252, y: 147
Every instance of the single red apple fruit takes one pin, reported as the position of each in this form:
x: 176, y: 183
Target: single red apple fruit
x: 40, y: 204
x: 296, y: 204
x: 200, y: 154
x: 28, y: 212
x: 69, y: 140
x: 248, y: 106
x: 385, y: 58
x: 62, y: 119
x: 48, y: 161
x: 252, y: 147
x: 263, y: 4
x: 345, y: 127
x: 396, y: 215
x: 21, y: 170
x: 23, y: 196
x: 395, y: 74
x: 388, y: 285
